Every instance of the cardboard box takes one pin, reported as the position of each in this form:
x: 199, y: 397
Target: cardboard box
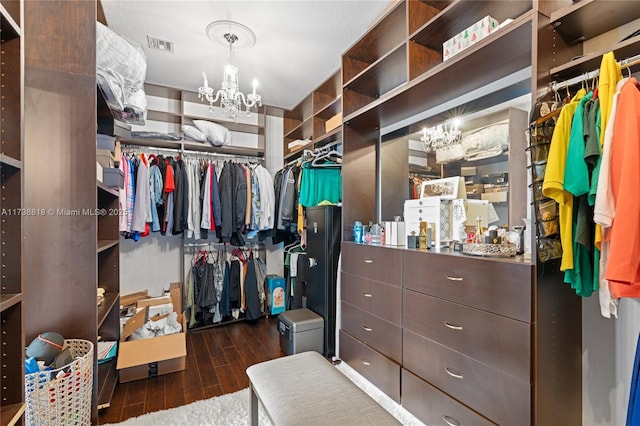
x: 333, y: 122
x: 468, y: 37
x: 140, y: 359
x: 132, y: 298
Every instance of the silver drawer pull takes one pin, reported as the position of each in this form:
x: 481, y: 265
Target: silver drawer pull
x: 452, y: 374
x: 453, y: 278
x: 367, y: 294
x: 452, y: 326
x: 368, y: 261
x: 450, y: 421
x: 367, y: 328
x: 420, y: 211
x: 364, y: 361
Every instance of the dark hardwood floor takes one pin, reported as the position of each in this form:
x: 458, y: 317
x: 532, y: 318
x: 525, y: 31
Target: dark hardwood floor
x: 216, y: 362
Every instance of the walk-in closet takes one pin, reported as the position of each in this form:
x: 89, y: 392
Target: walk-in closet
x: 438, y: 197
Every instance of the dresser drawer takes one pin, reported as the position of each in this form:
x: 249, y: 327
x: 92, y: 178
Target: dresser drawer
x: 376, y: 368
x: 497, y: 286
x: 492, y: 393
x: 492, y: 339
x: 382, y: 300
x: 435, y: 408
x: 373, y: 262
x: 381, y: 335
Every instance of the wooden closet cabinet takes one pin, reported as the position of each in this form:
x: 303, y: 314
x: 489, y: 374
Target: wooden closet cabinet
x: 484, y: 341
x: 371, y: 309
x: 63, y: 260
x: 11, y: 230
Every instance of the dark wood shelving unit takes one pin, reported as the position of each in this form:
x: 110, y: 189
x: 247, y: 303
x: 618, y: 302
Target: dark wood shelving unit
x: 385, y: 36
x: 588, y: 18
x: 307, y: 120
x: 108, y: 264
x: 441, y: 85
x: 12, y: 311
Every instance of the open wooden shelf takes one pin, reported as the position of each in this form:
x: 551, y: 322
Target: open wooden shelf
x: 8, y: 300
x: 10, y: 414
x: 10, y: 161
x: 101, y: 186
x: 106, y: 244
x: 588, y: 18
x: 104, y: 309
x: 592, y: 61
x: 107, y: 380
x: 448, y: 81
x: 307, y: 120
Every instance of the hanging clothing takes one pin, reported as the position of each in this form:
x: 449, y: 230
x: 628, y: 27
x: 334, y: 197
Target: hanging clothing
x: 623, y: 268
x: 553, y: 184
x: 122, y: 195
x: 252, y: 298
x: 142, y: 199
x: 320, y: 184
x: 604, y: 211
x: 155, y: 185
x: 576, y: 182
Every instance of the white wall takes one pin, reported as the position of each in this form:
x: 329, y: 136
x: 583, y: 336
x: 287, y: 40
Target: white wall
x: 151, y: 263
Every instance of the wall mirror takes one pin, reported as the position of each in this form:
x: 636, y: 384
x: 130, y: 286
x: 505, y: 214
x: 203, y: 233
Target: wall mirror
x: 488, y: 153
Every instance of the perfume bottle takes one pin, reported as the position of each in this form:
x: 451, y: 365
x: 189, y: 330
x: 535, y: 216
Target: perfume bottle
x: 422, y: 236
x: 479, y: 238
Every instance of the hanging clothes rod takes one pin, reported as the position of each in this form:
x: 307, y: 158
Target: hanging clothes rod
x: 220, y: 154
x: 202, y: 244
x: 625, y: 63
x: 152, y: 149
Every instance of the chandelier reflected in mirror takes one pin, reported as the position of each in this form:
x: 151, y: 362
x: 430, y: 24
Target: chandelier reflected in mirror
x: 441, y: 136
x: 230, y: 98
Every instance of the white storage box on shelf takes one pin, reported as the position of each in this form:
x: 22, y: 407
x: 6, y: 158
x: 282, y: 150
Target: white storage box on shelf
x: 468, y: 37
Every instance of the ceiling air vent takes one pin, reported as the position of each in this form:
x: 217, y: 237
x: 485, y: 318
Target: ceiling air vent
x: 157, y: 44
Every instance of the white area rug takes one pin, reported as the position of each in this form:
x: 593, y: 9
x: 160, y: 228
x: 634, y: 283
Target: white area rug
x: 233, y: 409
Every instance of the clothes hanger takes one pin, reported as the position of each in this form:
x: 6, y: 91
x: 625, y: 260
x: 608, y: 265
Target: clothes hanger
x: 326, y: 156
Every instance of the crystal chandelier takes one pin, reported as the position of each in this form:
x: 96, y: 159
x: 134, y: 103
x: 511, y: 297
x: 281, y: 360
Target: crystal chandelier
x: 440, y: 136
x: 231, y: 99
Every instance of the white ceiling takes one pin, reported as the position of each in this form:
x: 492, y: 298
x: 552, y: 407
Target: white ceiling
x: 299, y: 42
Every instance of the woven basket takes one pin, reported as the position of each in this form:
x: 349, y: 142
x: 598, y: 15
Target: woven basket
x: 66, y: 400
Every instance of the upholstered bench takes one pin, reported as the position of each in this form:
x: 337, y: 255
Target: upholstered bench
x: 305, y: 389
